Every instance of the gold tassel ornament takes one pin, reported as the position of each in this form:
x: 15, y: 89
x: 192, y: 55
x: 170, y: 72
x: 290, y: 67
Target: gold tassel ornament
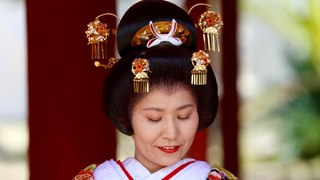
x: 210, y: 23
x: 200, y: 60
x: 140, y: 68
x: 97, y: 35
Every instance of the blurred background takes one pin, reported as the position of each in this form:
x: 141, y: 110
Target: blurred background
x: 278, y: 84
x: 13, y: 91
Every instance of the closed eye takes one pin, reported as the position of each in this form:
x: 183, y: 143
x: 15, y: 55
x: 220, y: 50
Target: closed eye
x: 184, y: 117
x: 154, y: 119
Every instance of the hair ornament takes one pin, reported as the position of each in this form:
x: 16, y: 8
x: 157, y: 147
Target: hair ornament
x: 140, y: 68
x: 200, y: 60
x: 210, y: 23
x: 157, y: 32
x: 164, y: 37
x: 109, y: 65
x: 97, y: 34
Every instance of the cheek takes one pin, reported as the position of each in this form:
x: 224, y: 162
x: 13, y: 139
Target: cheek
x: 190, y: 129
x: 144, y: 132
x: 141, y: 125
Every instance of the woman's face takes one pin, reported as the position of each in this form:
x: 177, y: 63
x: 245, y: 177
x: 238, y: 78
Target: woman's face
x: 164, y: 126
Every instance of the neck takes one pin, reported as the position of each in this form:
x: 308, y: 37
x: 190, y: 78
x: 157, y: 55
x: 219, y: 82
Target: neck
x: 152, y: 167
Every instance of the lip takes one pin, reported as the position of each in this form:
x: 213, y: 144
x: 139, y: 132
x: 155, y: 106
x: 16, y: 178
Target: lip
x: 169, y: 149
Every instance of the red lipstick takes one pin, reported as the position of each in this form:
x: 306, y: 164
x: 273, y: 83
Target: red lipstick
x: 169, y: 149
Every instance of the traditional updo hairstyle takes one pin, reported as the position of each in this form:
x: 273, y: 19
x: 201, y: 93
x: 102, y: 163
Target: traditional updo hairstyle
x: 170, y: 66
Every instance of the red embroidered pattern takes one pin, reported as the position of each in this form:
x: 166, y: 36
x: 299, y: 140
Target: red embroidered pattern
x: 86, y: 174
x: 218, y: 173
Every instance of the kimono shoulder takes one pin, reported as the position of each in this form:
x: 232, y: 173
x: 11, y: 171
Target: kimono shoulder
x: 86, y: 173
x: 219, y: 173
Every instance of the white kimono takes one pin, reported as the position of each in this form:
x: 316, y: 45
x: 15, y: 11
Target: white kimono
x: 192, y: 169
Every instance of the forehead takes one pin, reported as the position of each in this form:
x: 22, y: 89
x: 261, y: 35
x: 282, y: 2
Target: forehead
x: 160, y: 98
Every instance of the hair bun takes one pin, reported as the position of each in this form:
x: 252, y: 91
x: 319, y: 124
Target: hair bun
x: 140, y: 14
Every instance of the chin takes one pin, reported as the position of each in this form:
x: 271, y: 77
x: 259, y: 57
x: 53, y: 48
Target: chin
x: 169, y: 161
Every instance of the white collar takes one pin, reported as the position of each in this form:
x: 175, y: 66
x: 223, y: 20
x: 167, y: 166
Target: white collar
x: 111, y: 170
x: 138, y: 171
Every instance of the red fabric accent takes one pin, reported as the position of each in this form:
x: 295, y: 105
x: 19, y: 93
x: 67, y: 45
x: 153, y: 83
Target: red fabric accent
x: 178, y: 169
x: 124, y: 170
x: 212, y: 177
x: 170, y: 175
x: 67, y: 128
x: 86, y: 174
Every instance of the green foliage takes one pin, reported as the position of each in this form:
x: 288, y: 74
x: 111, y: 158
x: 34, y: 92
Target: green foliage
x: 300, y: 115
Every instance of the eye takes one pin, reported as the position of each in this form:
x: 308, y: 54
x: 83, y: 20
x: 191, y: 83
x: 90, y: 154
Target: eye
x: 183, y: 117
x: 154, y: 119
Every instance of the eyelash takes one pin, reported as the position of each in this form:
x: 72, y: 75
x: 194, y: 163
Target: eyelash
x: 154, y: 120
x: 184, y: 118
x: 180, y: 118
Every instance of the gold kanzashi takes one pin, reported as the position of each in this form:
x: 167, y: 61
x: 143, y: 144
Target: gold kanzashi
x: 140, y: 68
x: 97, y: 35
x: 200, y: 60
x: 109, y: 65
x: 210, y: 23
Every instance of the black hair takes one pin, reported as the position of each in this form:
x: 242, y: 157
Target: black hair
x: 170, y: 66
x: 139, y: 15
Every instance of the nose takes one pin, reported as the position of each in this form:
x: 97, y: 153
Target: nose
x: 170, y: 129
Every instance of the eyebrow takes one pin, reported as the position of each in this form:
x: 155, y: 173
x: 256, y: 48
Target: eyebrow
x: 160, y: 110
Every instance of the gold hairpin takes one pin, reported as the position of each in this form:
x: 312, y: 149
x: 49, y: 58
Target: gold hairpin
x: 200, y: 60
x: 97, y: 34
x: 109, y: 65
x: 210, y: 23
x: 140, y: 68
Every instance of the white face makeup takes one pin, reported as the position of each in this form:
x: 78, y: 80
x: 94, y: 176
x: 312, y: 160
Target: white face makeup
x: 164, y: 127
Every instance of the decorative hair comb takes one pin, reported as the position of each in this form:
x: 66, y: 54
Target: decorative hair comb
x: 157, y: 32
x: 200, y: 60
x: 140, y: 68
x: 210, y: 23
x: 97, y: 35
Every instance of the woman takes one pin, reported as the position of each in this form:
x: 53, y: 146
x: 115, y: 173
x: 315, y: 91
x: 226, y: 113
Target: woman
x: 148, y: 94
